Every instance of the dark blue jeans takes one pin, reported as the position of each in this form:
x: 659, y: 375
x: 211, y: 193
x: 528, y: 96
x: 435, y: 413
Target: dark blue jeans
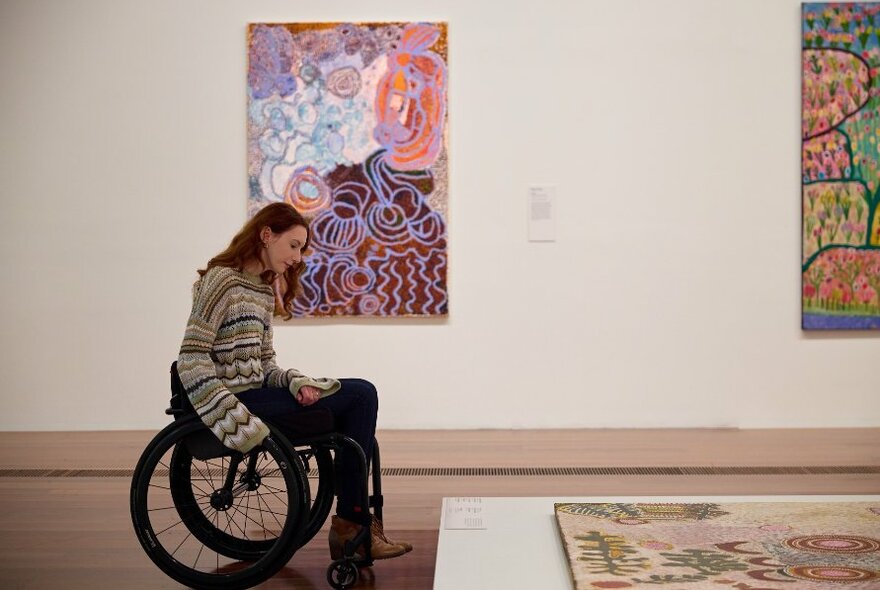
x: 354, y: 407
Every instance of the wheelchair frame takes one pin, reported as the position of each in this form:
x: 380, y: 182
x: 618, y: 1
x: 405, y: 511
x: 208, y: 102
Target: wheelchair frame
x: 188, y: 440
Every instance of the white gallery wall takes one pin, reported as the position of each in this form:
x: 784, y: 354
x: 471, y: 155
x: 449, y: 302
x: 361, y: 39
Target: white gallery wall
x: 670, y: 298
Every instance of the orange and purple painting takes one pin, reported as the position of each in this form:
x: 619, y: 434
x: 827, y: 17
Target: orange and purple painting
x: 840, y: 162
x: 347, y: 122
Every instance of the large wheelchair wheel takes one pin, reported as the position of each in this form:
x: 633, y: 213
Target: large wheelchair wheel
x: 320, y: 487
x: 225, y: 522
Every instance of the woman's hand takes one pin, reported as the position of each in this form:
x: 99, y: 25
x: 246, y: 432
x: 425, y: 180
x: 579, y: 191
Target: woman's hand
x: 307, y: 395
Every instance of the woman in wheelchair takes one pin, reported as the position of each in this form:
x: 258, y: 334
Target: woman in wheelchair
x: 228, y: 371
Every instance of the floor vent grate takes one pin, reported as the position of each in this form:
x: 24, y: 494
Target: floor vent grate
x: 514, y: 471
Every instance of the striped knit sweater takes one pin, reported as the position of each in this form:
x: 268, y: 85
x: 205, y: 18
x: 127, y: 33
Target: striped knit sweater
x: 227, y: 348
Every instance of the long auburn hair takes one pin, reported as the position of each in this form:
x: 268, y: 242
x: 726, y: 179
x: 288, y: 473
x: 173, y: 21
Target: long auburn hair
x: 247, y: 245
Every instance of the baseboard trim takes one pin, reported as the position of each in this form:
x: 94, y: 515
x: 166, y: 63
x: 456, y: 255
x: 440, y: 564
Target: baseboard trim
x: 517, y: 471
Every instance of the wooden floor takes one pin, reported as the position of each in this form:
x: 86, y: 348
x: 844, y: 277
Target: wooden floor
x: 75, y: 532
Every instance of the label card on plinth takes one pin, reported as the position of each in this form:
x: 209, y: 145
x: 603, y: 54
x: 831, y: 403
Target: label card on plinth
x: 464, y: 513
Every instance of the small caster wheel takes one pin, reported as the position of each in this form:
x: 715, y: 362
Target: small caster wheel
x: 342, y: 574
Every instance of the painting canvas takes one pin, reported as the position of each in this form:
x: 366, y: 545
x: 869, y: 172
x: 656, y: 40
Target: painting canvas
x: 706, y: 546
x: 840, y: 163
x: 348, y: 123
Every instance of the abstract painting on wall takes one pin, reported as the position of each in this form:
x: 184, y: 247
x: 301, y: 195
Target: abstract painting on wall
x: 840, y: 163
x: 348, y: 123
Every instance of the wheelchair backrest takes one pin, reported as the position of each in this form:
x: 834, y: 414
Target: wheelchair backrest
x: 180, y: 404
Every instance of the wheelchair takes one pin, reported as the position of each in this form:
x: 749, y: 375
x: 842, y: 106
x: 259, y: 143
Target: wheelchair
x: 213, y: 518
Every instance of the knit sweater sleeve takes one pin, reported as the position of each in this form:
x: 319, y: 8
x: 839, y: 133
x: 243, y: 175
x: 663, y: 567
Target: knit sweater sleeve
x: 218, y: 408
x: 290, y: 378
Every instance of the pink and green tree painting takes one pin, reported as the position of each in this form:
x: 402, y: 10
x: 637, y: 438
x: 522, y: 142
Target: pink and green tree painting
x: 840, y: 166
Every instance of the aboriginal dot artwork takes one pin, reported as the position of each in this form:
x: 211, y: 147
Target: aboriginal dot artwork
x: 347, y: 122
x: 743, y: 546
x: 840, y: 166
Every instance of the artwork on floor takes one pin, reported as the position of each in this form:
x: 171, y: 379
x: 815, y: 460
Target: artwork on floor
x: 840, y: 163
x: 741, y: 546
x: 347, y: 122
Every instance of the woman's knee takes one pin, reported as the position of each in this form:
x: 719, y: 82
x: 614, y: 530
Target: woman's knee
x: 365, y: 390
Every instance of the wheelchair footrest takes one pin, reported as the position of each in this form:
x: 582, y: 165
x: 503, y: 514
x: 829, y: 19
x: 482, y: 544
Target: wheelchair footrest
x: 362, y: 538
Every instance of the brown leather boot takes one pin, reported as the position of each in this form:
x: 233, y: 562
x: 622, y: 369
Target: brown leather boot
x: 342, y: 530
x: 378, y: 530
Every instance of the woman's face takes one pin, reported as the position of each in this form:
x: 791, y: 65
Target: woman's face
x: 285, y: 249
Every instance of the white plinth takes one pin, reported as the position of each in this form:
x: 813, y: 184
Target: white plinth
x: 520, y: 545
